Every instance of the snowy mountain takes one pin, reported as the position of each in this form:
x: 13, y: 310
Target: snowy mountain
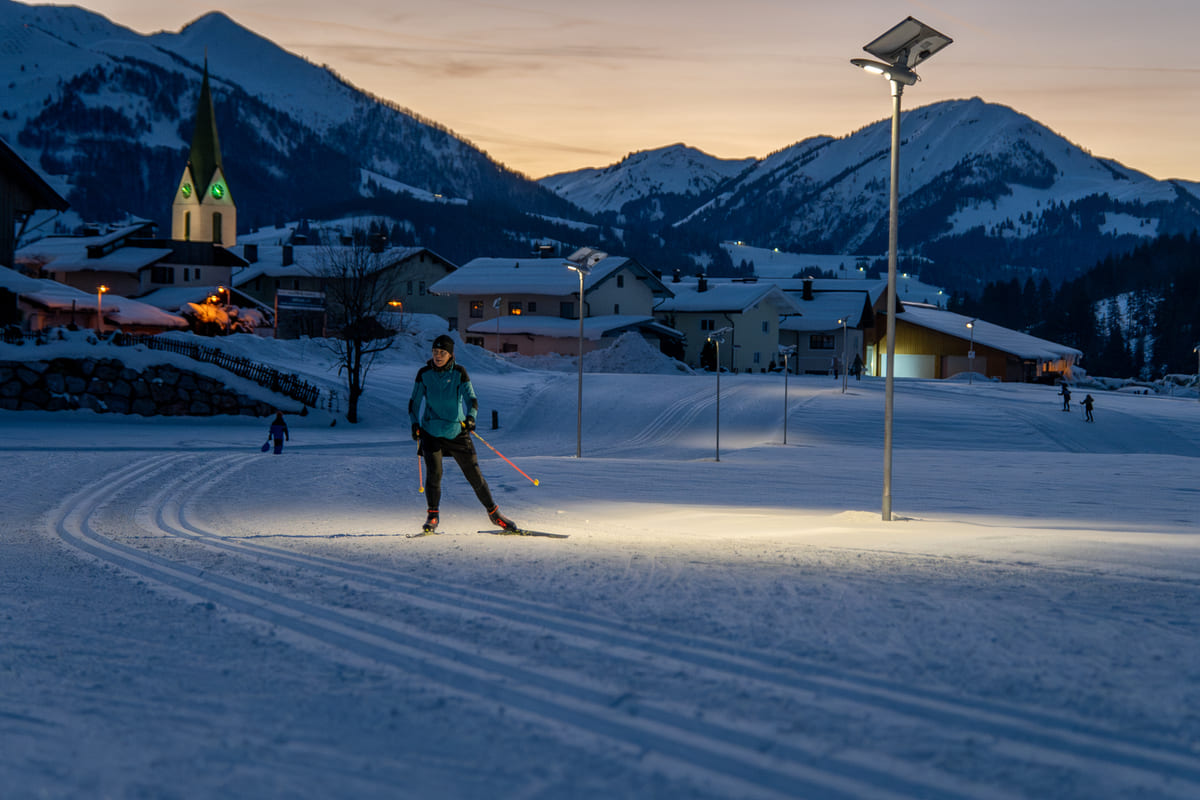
x: 107, y: 114
x: 984, y: 190
x: 677, y: 171
x: 987, y: 193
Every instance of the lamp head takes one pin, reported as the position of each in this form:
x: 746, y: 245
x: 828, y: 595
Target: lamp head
x: 902, y: 75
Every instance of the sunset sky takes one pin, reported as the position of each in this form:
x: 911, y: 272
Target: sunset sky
x: 547, y: 86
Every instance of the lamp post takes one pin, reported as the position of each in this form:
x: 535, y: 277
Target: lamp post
x: 900, y: 49
x: 1196, y: 350
x: 845, y: 365
x: 716, y: 337
x: 582, y: 268
x: 100, y: 290
x: 971, y: 354
x: 785, y: 351
x: 496, y: 305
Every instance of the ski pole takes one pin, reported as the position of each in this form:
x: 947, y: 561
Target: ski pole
x: 497, y: 452
x: 420, y: 473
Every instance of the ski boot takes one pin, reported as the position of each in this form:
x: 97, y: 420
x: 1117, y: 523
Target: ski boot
x: 431, y: 521
x: 500, y: 521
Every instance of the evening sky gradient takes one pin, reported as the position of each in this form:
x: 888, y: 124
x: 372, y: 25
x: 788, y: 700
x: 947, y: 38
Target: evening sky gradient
x: 549, y: 86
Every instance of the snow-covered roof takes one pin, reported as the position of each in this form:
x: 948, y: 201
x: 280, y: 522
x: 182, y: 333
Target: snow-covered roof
x: 986, y: 334
x: 594, y: 328
x: 70, y: 253
x: 826, y: 311
x: 544, y: 276
x: 307, y: 260
x: 58, y: 296
x: 173, y: 298
x: 727, y: 297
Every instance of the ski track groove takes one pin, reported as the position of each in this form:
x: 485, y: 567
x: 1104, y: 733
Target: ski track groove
x: 751, y: 761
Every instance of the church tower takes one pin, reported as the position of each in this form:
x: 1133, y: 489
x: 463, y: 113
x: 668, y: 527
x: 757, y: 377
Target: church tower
x: 203, y: 210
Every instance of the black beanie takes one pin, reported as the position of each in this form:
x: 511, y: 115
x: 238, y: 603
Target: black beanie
x: 444, y: 342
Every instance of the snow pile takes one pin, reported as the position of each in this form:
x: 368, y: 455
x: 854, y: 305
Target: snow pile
x: 632, y: 353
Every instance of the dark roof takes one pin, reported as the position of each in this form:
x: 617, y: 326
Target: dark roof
x: 35, y: 192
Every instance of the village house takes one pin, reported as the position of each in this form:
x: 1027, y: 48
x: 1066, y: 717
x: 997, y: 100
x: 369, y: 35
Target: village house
x: 531, y: 305
x: 752, y: 311
x: 933, y: 343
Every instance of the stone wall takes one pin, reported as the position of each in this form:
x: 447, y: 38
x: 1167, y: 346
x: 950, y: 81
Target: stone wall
x: 106, y: 385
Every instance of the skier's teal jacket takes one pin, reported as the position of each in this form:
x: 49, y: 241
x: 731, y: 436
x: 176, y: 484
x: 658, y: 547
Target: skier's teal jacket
x: 449, y: 399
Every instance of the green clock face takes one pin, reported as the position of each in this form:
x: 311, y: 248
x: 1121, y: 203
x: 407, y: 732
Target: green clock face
x: 218, y: 191
x: 186, y: 191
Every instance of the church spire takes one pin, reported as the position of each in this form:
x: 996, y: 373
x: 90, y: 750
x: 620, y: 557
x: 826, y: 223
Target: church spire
x: 203, y: 209
x: 205, y: 157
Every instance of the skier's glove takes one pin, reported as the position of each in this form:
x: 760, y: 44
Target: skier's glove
x: 416, y: 432
x: 469, y: 424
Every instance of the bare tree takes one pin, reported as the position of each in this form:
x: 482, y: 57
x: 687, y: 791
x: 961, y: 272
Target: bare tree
x: 357, y: 291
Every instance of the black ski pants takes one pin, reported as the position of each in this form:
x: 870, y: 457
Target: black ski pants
x: 463, y: 451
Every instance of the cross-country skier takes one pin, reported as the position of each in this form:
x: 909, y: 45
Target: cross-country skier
x: 1087, y: 408
x: 1066, y: 396
x: 449, y: 418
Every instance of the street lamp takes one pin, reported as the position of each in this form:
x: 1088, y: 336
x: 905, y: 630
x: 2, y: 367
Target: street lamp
x: 716, y: 337
x: 1196, y: 350
x: 100, y: 290
x: 900, y: 49
x: 496, y: 305
x: 583, y: 269
x: 228, y: 295
x: 971, y: 354
x: 786, y: 351
x: 845, y: 367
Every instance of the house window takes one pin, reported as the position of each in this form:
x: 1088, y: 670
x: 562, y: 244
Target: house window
x: 509, y: 347
x: 296, y: 283
x: 616, y: 308
x: 532, y: 307
x: 475, y: 340
x: 410, y: 287
x: 820, y: 341
x: 514, y: 308
x: 421, y: 288
x: 766, y: 326
x: 187, y: 226
x: 757, y: 357
x: 621, y: 281
x: 708, y: 324
x: 476, y: 309
x: 162, y: 275
x: 217, y: 227
x: 566, y: 310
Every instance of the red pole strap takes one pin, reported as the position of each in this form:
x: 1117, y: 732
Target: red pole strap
x: 497, y: 452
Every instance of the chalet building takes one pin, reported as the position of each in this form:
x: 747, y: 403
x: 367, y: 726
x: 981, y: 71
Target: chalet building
x: 836, y: 316
x: 203, y: 209
x: 129, y: 260
x: 932, y: 343
x: 532, y: 305
x: 751, y: 309
x: 406, y: 272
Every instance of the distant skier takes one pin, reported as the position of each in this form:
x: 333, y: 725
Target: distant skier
x: 449, y: 418
x: 1066, y: 396
x: 279, y: 432
x: 857, y: 367
x: 1087, y: 409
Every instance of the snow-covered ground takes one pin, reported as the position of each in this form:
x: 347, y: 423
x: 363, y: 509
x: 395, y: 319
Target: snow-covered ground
x: 184, y: 616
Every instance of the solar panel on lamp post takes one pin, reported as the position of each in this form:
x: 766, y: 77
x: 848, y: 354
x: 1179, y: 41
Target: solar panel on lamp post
x: 899, y: 49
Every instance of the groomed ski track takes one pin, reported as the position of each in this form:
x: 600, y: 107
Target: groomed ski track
x: 477, y: 643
